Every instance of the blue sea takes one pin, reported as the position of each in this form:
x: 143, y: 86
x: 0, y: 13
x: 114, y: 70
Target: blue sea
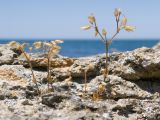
x: 88, y: 47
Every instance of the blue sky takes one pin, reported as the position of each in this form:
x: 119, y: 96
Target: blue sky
x: 63, y: 18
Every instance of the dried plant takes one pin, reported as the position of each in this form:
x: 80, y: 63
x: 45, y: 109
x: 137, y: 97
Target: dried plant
x: 121, y: 23
x: 21, y: 47
x: 85, y: 81
x: 52, y: 49
x: 97, y: 95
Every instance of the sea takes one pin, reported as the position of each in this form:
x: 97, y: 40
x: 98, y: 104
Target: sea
x: 89, y: 47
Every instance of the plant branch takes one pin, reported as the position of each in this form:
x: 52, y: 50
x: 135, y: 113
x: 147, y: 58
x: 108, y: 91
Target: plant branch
x: 113, y: 37
x: 97, y: 30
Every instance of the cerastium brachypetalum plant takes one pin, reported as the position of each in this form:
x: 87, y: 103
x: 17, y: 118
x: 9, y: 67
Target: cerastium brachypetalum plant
x: 51, y: 49
x: 121, y: 23
x: 25, y: 55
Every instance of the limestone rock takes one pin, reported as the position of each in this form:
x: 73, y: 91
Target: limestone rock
x: 91, y: 64
x: 55, y: 62
x: 131, y: 91
x: 117, y: 88
x: 19, y: 73
x: 61, y: 73
x: 7, y: 54
x: 142, y: 63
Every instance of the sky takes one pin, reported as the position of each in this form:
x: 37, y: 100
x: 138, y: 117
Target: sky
x: 62, y: 19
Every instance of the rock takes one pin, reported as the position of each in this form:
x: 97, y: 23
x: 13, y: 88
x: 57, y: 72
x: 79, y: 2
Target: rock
x: 19, y: 73
x: 132, y: 109
x: 16, y: 117
x: 26, y: 102
x: 118, y: 88
x: 55, y: 62
x: 91, y: 64
x: 53, y: 99
x: 142, y: 63
x: 2, y: 97
x: 131, y: 91
x: 7, y: 54
x: 61, y: 73
x: 13, y: 73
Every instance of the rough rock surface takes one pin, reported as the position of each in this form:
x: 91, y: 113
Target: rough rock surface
x: 7, y: 54
x: 130, y: 92
x: 142, y: 63
x: 41, y: 62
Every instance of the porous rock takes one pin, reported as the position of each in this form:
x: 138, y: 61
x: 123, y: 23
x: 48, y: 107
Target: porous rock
x: 7, y: 54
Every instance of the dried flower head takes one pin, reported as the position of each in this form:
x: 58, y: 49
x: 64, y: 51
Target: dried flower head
x: 47, y: 44
x: 124, y: 21
x: 117, y: 12
x: 58, y: 41
x: 104, y: 32
x: 13, y: 43
x: 129, y: 28
x: 86, y: 27
x: 37, y: 45
x: 53, y: 42
x: 91, y: 19
x: 30, y: 49
x: 23, y: 46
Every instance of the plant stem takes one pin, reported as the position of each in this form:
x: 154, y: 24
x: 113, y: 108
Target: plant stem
x: 30, y: 65
x: 97, y: 30
x: 106, y: 66
x: 113, y: 37
x: 85, y: 81
x: 33, y: 76
x: 48, y: 70
x: 107, y: 43
x: 49, y: 66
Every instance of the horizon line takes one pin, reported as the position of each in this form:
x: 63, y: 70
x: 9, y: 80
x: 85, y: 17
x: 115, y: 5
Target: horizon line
x: 77, y: 38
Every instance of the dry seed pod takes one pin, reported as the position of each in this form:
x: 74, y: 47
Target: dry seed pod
x: 53, y: 42
x: 124, y: 21
x: 129, y: 28
x: 23, y: 46
x: 55, y: 47
x: 117, y: 12
x: 19, y: 47
x: 87, y: 27
x: 104, y: 32
x: 47, y: 44
x: 30, y: 49
x: 58, y: 41
x: 37, y: 45
x: 13, y: 44
x: 91, y: 19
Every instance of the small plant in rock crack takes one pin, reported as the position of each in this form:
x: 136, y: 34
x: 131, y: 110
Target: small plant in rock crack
x: 25, y: 55
x: 121, y: 23
x: 51, y: 49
